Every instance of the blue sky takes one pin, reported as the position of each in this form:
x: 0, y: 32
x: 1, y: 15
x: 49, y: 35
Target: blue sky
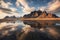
x: 22, y: 7
x: 35, y: 3
x: 31, y: 3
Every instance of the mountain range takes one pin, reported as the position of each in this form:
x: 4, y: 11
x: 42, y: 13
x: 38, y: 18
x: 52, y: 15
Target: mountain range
x: 40, y: 14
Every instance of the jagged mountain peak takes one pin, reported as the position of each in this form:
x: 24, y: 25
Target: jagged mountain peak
x: 40, y: 14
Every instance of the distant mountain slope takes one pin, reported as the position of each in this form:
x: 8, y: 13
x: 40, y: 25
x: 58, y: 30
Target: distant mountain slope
x: 40, y: 14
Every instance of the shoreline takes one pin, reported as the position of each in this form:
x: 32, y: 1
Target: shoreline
x: 40, y: 19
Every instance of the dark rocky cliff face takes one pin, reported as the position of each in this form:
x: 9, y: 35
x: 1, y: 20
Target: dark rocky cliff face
x: 40, y: 14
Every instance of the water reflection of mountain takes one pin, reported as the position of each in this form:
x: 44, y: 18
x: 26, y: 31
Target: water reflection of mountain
x: 41, y: 30
x: 32, y: 30
x: 41, y: 23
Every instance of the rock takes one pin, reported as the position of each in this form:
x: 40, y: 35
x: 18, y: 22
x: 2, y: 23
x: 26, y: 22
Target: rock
x: 40, y: 14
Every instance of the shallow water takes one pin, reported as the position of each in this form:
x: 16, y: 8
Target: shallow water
x: 30, y: 30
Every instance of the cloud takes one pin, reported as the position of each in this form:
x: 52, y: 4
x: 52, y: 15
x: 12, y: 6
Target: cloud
x: 4, y: 9
x: 25, y: 7
x: 54, y: 5
x: 42, y: 8
x: 13, y: 9
x: 8, y: 12
x: 4, y: 4
x: 3, y: 14
x: 28, y: 10
x: 22, y: 2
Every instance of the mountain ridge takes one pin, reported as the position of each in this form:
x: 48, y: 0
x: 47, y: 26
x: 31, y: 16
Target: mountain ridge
x: 40, y: 14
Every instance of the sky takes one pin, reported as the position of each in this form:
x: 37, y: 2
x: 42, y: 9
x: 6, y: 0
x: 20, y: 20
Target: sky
x: 19, y: 8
